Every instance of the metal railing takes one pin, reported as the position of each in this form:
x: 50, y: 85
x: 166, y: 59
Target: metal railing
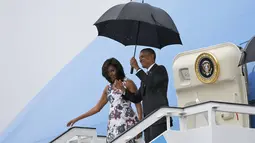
x: 210, y: 107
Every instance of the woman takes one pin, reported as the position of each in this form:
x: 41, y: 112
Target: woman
x: 121, y: 115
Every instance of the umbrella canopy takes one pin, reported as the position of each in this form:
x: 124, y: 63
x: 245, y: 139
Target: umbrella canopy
x: 138, y: 24
x: 248, y: 54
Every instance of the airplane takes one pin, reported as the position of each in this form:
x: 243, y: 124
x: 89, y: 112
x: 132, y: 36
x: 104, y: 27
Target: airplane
x: 68, y: 89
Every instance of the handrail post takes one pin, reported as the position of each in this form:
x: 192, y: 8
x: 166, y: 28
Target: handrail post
x: 183, y: 121
x: 212, y: 116
x: 168, y: 121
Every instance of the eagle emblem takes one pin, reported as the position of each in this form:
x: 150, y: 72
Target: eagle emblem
x: 207, y: 68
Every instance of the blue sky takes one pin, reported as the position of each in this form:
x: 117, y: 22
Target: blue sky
x: 79, y: 85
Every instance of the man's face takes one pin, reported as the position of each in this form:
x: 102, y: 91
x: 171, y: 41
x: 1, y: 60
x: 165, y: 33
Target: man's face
x: 146, y: 59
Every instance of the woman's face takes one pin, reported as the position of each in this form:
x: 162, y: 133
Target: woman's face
x: 112, y: 73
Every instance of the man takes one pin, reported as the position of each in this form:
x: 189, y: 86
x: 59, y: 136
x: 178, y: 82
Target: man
x: 152, y: 91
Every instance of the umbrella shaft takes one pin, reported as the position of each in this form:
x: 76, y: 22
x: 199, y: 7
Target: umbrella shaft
x: 137, y: 35
x: 135, y: 50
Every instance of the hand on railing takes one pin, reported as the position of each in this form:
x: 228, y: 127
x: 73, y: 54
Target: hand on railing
x: 139, y: 135
x: 71, y: 123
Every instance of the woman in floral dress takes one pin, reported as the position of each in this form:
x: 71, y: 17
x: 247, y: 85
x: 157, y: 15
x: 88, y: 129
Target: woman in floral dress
x: 121, y: 114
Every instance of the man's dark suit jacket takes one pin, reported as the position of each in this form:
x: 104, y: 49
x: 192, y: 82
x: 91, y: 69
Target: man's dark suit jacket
x: 152, y: 91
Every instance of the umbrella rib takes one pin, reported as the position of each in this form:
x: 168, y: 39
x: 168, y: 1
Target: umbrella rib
x: 156, y: 23
x: 122, y: 10
x: 156, y: 29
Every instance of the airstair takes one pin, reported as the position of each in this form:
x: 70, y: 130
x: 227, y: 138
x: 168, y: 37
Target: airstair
x: 212, y: 102
x: 79, y: 135
x: 212, y: 132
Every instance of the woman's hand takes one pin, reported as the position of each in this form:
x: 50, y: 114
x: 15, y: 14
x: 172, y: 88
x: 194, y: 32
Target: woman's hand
x: 139, y: 136
x: 71, y: 123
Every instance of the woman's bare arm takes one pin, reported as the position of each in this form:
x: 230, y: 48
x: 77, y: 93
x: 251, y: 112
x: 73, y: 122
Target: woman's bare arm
x: 101, y: 103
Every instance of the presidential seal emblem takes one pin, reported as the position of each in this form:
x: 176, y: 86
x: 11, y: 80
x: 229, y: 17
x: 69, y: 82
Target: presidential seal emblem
x: 207, y: 68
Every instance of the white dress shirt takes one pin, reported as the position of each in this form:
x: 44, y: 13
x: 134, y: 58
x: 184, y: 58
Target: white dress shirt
x: 123, y: 92
x: 147, y: 69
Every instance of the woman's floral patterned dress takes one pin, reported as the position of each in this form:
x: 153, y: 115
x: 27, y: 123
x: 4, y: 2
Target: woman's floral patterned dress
x: 121, y: 114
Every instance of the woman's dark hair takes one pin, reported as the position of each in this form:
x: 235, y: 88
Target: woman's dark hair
x: 120, y: 75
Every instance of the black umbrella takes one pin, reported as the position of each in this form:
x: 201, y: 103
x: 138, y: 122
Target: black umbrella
x: 136, y: 23
x: 248, y: 54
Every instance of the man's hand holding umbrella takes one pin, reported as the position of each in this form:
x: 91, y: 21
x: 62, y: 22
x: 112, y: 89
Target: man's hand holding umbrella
x: 134, y: 64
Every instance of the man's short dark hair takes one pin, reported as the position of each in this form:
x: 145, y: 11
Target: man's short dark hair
x: 150, y: 51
